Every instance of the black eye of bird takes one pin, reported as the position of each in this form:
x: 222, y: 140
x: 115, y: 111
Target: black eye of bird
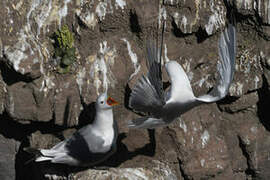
x: 102, y: 102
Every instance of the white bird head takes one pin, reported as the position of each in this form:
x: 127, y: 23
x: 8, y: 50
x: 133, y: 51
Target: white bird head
x: 105, y: 102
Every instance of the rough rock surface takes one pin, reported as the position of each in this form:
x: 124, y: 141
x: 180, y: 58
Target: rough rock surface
x: 8, y: 151
x: 40, y: 106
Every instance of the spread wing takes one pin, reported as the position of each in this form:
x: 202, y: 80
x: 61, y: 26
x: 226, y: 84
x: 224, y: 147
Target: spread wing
x: 226, y: 68
x: 148, y: 93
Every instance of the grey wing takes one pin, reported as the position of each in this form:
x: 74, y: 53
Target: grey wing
x: 83, y: 147
x: 85, y: 140
x: 226, y: 68
x: 148, y: 94
x: 154, y: 65
x: 146, y: 122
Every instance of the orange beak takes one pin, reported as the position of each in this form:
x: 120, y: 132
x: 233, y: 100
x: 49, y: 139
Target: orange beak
x: 111, y: 102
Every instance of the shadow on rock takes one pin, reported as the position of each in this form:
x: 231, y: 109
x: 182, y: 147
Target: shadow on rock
x: 127, y: 96
x: 87, y: 115
x: 264, y: 104
x: 10, y: 128
x: 10, y: 76
x: 31, y: 170
x: 123, y: 154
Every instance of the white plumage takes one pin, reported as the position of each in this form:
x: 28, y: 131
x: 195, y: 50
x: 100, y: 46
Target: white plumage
x: 91, y: 144
x: 149, y: 97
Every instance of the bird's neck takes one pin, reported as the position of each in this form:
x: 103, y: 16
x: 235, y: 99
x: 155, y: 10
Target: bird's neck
x: 104, y: 119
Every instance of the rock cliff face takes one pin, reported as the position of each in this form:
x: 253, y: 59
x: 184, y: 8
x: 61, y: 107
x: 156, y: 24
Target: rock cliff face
x: 39, y: 105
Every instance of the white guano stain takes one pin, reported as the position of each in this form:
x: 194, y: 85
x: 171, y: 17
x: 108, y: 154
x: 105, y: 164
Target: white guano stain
x: 256, y: 81
x: 203, y: 80
x: 176, y: 18
x: 202, y: 162
x: 187, y: 67
x: 101, y: 10
x: 184, y: 23
x: 165, y: 170
x: 268, y: 12
x: 42, y: 16
x: 11, y: 103
x: 120, y: 3
x: 136, y: 173
x: 43, y: 13
x: 16, y: 54
x: 246, y: 140
x: 205, y: 138
x: 253, y: 129
x: 47, y: 84
x: 236, y: 89
x: 259, y: 7
x: 79, y: 78
x: 133, y: 58
x: 158, y: 170
x: 39, y: 15
x: 34, y: 4
x: 89, y: 19
x: 162, y: 15
x: 101, y: 64
x: 182, y: 125
x: 219, y: 166
x: 217, y: 19
x: 28, y: 41
x: 63, y: 11
x: 247, y: 4
x: 106, y: 7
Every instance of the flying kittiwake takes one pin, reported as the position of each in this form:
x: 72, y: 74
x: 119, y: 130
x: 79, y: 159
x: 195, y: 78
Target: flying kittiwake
x: 91, y: 144
x: 161, y: 107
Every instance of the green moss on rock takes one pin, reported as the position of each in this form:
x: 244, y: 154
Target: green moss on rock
x: 64, y: 49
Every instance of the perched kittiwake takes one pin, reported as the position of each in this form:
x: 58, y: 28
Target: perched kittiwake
x: 91, y: 144
x: 162, y: 107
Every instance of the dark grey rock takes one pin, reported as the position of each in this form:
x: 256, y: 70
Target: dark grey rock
x: 8, y: 150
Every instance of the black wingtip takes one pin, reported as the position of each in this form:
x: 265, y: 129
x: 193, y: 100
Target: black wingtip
x: 231, y: 11
x: 161, y: 43
x: 35, y: 152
